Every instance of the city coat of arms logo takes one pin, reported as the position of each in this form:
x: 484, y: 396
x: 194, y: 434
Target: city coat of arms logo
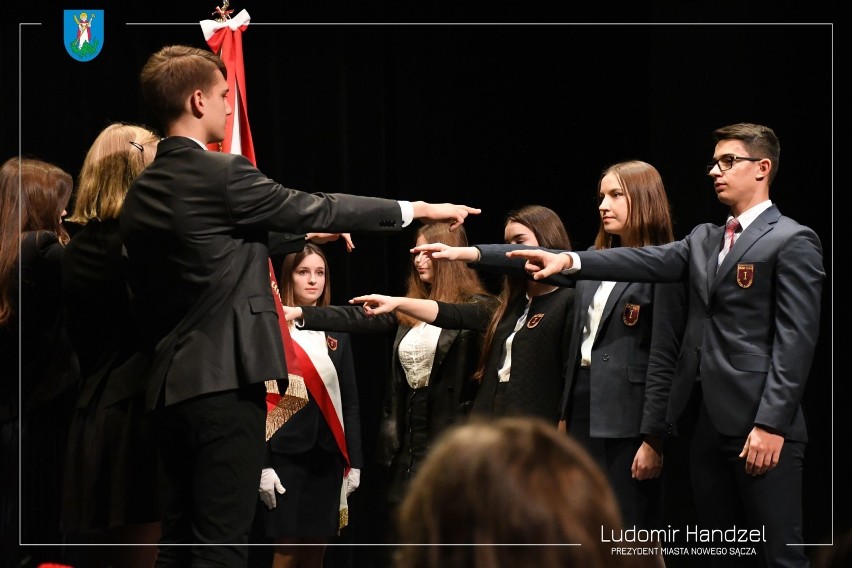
x: 84, y: 33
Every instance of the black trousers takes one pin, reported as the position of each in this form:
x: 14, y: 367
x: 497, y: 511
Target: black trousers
x: 640, y: 501
x: 726, y: 496
x: 211, y: 455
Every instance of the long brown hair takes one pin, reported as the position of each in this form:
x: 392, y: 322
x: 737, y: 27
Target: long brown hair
x: 649, y: 218
x: 452, y: 282
x: 291, y: 261
x: 510, y: 481
x: 550, y: 232
x: 33, y: 194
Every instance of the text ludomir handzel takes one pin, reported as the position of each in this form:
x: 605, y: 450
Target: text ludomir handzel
x: 690, y: 533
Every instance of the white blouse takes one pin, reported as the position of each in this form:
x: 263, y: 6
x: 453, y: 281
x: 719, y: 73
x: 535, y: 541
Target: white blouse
x: 417, y: 353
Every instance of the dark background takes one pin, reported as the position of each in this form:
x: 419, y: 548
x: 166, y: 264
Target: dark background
x: 433, y: 102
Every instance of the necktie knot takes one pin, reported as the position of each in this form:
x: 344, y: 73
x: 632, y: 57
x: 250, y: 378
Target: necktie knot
x: 732, y: 226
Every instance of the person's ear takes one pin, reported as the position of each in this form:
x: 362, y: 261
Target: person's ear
x: 764, y: 166
x: 196, y: 103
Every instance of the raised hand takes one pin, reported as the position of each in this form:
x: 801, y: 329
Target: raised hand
x: 440, y: 251
x: 541, y: 263
x: 443, y: 213
x: 291, y: 313
x: 375, y: 304
x: 322, y: 238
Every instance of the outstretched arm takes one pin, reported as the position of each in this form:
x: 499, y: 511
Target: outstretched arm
x: 375, y: 304
x: 443, y: 213
x: 322, y: 238
x: 440, y: 251
x: 540, y: 263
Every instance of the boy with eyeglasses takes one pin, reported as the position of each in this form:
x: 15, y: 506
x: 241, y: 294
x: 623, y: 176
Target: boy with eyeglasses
x: 751, y: 332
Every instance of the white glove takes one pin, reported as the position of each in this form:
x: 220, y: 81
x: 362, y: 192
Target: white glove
x: 269, y: 484
x: 353, y: 480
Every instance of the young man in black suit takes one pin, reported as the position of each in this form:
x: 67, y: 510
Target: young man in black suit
x: 751, y: 330
x: 195, y: 226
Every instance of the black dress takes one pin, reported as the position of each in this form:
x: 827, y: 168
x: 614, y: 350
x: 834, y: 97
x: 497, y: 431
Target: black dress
x: 48, y: 379
x: 111, y: 473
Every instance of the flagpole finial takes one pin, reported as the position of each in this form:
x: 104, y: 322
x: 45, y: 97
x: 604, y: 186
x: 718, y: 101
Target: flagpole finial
x: 222, y: 12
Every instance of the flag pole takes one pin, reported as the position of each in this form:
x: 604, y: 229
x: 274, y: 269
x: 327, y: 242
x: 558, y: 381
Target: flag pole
x: 224, y: 36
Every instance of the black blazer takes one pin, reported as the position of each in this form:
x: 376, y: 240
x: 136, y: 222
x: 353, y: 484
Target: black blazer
x: 49, y: 369
x: 102, y: 324
x: 539, y: 355
x: 308, y: 428
x: 633, y: 355
x: 450, y: 391
x: 195, y: 225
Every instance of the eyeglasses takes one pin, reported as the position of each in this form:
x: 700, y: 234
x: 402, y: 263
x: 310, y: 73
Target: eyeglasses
x: 727, y: 162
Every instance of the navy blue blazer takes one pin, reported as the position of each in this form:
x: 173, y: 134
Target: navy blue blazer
x: 751, y: 327
x: 633, y: 354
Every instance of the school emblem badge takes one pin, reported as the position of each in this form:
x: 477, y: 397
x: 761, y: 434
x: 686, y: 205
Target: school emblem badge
x: 534, y: 321
x: 331, y: 342
x: 630, y: 315
x: 84, y: 33
x: 745, y: 275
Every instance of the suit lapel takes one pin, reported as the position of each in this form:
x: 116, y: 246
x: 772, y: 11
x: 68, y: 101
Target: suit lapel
x: 444, y: 341
x: 587, y: 290
x: 613, y: 300
x: 713, y: 246
x: 755, y: 231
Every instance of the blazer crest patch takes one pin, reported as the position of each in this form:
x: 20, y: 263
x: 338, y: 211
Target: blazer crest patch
x: 533, y: 321
x: 630, y: 315
x: 745, y: 275
x: 331, y: 342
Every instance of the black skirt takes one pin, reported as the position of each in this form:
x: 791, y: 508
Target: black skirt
x: 111, y: 471
x: 310, y: 505
x: 414, y: 443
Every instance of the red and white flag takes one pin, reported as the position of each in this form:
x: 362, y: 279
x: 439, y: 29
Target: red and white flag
x: 224, y: 36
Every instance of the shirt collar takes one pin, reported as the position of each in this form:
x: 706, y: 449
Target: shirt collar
x: 748, y: 216
x: 197, y: 141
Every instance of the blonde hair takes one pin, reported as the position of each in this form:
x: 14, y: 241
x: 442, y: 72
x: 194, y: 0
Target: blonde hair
x: 117, y: 156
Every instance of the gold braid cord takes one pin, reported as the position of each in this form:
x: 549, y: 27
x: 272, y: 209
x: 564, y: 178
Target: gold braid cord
x: 343, y: 512
x: 293, y: 400
x: 343, y: 519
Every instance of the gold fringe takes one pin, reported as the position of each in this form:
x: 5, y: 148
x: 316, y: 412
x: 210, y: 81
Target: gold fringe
x: 343, y: 511
x: 293, y: 400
